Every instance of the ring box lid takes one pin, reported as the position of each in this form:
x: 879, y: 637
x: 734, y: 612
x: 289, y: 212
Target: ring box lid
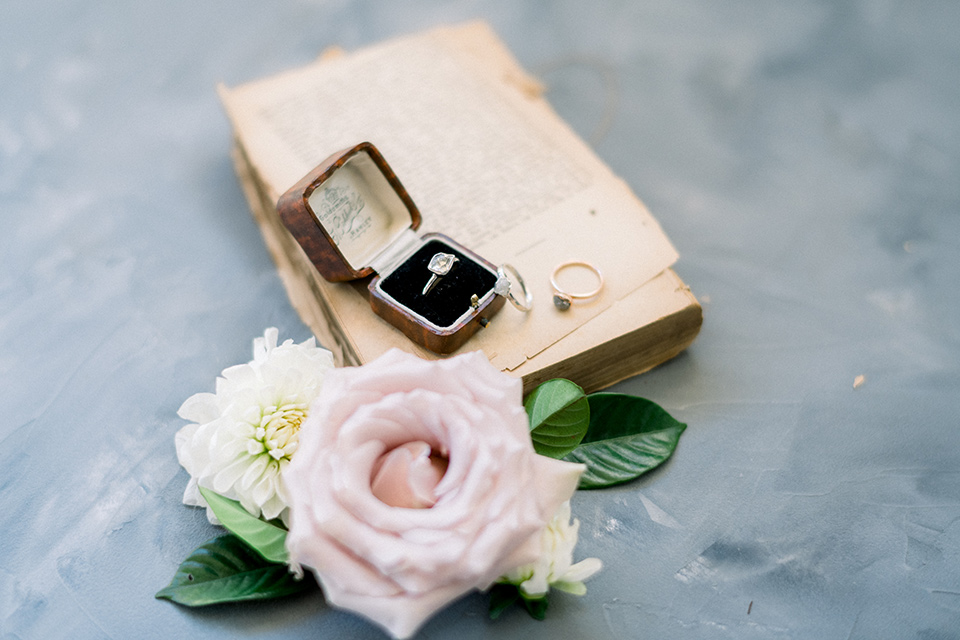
x: 351, y: 214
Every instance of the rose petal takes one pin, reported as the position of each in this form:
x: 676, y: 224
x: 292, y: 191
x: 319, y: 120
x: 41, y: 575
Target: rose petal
x: 407, y: 475
x: 397, y: 566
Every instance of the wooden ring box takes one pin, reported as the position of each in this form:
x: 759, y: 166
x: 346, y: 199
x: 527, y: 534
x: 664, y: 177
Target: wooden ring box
x: 354, y: 219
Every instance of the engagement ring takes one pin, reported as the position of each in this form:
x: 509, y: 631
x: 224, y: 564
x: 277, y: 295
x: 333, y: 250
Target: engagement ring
x: 504, y: 287
x: 440, y: 265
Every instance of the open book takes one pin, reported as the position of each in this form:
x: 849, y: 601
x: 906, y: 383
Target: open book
x: 488, y: 163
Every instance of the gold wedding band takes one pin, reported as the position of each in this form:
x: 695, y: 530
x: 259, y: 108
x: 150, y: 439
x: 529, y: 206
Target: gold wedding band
x: 563, y: 299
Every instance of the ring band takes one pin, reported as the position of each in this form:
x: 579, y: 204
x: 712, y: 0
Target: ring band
x: 504, y: 287
x: 440, y: 265
x: 563, y: 299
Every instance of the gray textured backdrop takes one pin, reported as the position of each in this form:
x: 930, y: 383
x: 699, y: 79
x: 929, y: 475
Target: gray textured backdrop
x: 803, y: 156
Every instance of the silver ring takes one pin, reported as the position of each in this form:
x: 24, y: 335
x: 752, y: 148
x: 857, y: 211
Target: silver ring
x: 563, y: 299
x: 504, y: 287
x: 440, y: 265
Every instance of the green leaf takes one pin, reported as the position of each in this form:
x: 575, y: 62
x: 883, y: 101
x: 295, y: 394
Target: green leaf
x: 504, y: 594
x: 502, y: 597
x: 267, y: 539
x: 224, y: 569
x: 559, y: 415
x: 628, y: 436
x: 536, y: 607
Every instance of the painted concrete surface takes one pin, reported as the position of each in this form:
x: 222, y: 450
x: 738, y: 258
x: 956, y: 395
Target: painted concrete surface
x: 804, y: 158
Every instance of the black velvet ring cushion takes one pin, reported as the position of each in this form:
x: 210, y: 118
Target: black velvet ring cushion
x: 450, y: 297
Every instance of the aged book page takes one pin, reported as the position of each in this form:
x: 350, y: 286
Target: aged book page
x: 486, y: 159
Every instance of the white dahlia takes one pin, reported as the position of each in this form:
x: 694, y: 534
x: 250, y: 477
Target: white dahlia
x: 555, y: 567
x: 242, y: 437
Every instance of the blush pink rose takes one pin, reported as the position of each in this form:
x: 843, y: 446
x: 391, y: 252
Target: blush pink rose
x: 416, y: 482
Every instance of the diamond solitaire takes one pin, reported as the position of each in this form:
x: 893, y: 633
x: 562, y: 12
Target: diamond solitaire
x: 440, y: 265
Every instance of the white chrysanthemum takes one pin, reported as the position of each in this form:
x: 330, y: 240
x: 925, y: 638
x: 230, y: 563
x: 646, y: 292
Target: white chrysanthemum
x: 555, y: 566
x: 242, y: 437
